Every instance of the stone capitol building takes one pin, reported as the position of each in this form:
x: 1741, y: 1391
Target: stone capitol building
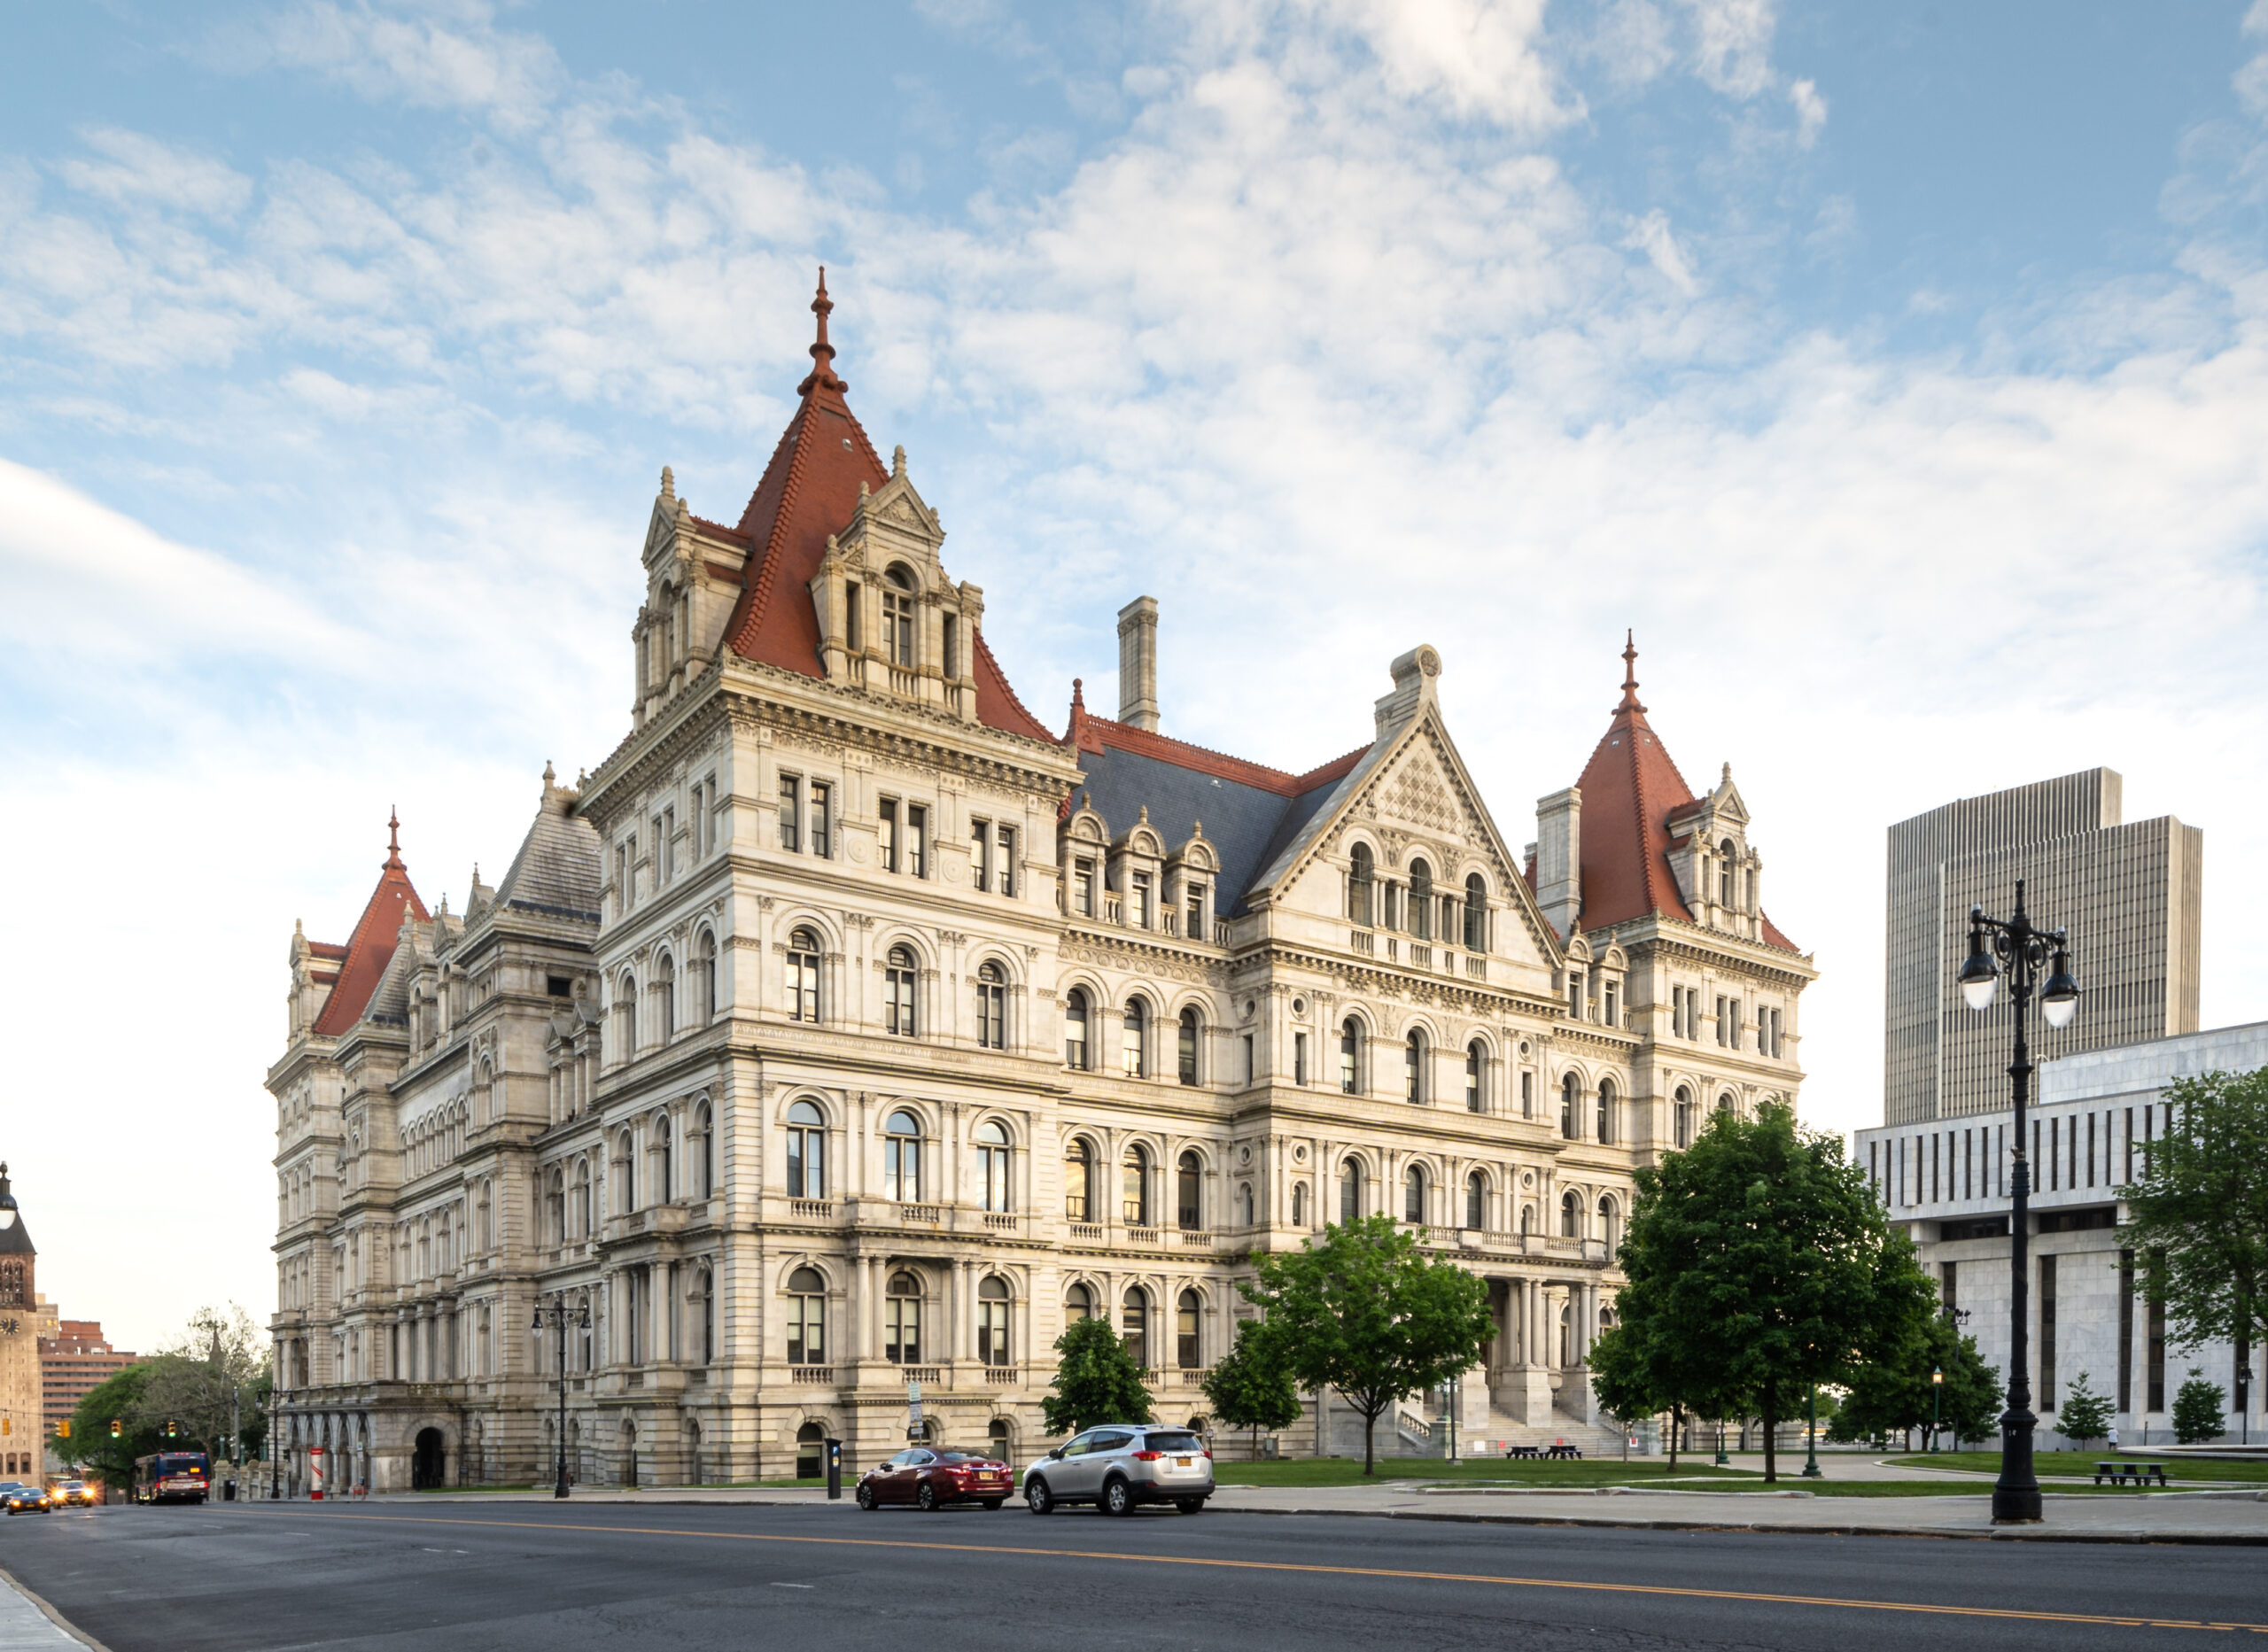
x: 847, y: 1026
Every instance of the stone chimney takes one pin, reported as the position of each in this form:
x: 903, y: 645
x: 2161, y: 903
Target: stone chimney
x: 1559, y: 858
x: 1138, y: 664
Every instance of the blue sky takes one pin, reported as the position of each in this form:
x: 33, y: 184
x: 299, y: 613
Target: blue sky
x: 1897, y: 373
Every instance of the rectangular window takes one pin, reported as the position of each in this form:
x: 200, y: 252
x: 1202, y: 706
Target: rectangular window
x: 890, y: 835
x: 1527, y: 1095
x: 980, y: 856
x: 1083, y: 888
x: 1008, y: 861
x: 2154, y: 1374
x: 1952, y: 1293
x: 669, y: 843
x: 2129, y: 1174
x: 822, y: 819
x: 1299, y: 1057
x: 917, y: 840
x: 1613, y: 1004
x: 1250, y: 1071
x: 952, y: 649
x: 653, y: 852
x: 1733, y: 1040
x: 2090, y: 1149
x: 1196, y: 911
x: 2054, y: 1155
x: 1722, y: 1003
x: 2126, y: 1331
x: 2048, y: 1333
x: 791, y: 813
x: 1574, y: 996
x: 1141, y: 900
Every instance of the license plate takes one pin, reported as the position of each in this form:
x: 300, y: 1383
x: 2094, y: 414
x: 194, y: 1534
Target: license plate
x: 1182, y: 1463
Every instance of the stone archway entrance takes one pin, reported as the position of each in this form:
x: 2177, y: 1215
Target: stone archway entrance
x: 429, y: 1460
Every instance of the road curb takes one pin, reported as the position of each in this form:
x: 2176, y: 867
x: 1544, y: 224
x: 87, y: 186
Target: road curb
x: 2221, y: 1539
x: 47, y: 1611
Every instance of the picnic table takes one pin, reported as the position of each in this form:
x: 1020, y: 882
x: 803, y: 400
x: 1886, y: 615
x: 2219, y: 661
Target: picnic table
x: 1565, y: 1452
x: 1523, y: 1451
x: 2118, y: 1471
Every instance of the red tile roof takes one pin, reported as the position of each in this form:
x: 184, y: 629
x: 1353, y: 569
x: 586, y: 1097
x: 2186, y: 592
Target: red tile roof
x: 1089, y: 732
x: 1631, y: 787
x: 370, y: 949
x: 808, y: 491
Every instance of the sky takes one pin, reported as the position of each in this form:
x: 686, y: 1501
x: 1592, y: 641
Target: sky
x: 1898, y: 374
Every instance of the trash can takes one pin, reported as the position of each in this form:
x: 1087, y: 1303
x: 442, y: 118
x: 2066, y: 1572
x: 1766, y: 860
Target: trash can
x: 229, y: 1490
x: 835, y: 1470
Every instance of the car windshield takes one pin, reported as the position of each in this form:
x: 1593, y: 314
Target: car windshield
x: 1176, y: 1441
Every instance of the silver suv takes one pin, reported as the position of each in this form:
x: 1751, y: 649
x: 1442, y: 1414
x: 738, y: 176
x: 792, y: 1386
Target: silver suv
x: 1122, y: 1464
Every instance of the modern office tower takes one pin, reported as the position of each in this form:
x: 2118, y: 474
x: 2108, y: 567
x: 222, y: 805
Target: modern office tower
x: 2128, y: 894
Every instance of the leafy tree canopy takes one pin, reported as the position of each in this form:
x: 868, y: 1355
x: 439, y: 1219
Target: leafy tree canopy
x: 2198, y: 1411
x: 1367, y: 1312
x: 1249, y: 1387
x: 2201, y: 1209
x: 1096, y: 1381
x: 1892, y: 1392
x: 90, y: 1449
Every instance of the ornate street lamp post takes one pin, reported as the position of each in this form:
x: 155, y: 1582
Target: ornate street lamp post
x: 560, y: 1315
x: 2021, y: 949
x: 1937, y: 1395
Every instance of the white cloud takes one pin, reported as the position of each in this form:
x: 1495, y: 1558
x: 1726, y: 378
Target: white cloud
x: 140, y: 169
x: 1811, y: 110
x: 1651, y: 235
x: 1732, y: 44
x: 441, y: 56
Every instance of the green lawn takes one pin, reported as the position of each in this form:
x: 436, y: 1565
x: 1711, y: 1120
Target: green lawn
x: 1489, y: 1470
x: 2082, y: 1462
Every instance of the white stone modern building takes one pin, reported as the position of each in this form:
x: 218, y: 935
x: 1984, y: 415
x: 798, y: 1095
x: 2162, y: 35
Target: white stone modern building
x: 2097, y: 1114
x: 847, y: 1026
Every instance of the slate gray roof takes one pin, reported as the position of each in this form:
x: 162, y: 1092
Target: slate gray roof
x: 557, y: 870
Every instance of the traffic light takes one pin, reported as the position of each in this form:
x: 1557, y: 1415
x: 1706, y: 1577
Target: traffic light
x: 170, y: 1428
x: 62, y: 1429
x: 7, y: 1426
x: 116, y: 1428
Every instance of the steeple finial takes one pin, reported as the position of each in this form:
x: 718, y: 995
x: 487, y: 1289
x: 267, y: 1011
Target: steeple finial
x: 1630, y: 701
x: 822, y: 373
x: 393, y: 841
x: 1079, y: 694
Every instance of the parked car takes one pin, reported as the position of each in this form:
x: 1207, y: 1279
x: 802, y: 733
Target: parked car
x: 72, y: 1494
x: 931, y: 1479
x: 1121, y: 1466
x: 24, y: 1500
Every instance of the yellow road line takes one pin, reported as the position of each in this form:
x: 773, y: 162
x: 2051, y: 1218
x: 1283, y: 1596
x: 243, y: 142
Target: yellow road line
x: 1340, y: 1571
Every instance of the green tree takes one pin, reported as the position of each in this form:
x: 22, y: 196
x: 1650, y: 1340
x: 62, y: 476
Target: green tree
x: 90, y: 1448
x: 1893, y: 1392
x: 2201, y: 1206
x: 1367, y: 1312
x: 210, y: 1379
x: 1096, y: 1381
x: 2084, y: 1415
x: 1249, y: 1388
x: 1763, y: 1263
x: 2198, y: 1411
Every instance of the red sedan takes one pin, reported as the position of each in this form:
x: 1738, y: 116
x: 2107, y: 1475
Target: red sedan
x: 930, y: 1479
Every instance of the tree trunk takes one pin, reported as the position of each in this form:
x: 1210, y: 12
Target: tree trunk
x: 1771, y: 1430
x: 1370, y: 1450
x: 1676, y: 1423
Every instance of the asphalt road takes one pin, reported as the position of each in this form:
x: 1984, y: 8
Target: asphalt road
x: 544, y: 1579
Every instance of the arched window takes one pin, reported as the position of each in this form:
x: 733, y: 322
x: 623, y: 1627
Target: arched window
x: 899, y: 981
x: 897, y: 617
x: 1078, y: 1303
x: 803, y: 975
x: 991, y: 1006
x: 1131, y: 1040
x: 704, y: 1315
x: 1570, y: 1215
x: 902, y: 1158
x: 1571, y: 1103
x: 1134, y: 1325
x: 622, y: 1193
x: 1350, y: 1056
x: 1475, y: 1063
x: 1413, y: 1067
x: 1606, y: 1111
x: 1189, y: 1184
x: 1725, y: 873
x: 1299, y: 1203
x: 995, y: 1437
x: 902, y: 1320
x: 1682, y: 1117
x: 1186, y: 1047
x: 1610, y: 1226
x: 663, y: 1160
x: 665, y: 996
x: 1074, y: 1029
x: 1350, y: 1193
x: 992, y: 1320
x: 992, y: 1163
x: 705, y: 1152
x: 626, y: 1016
x: 1245, y: 1204
x: 1725, y: 1104
x: 1527, y: 1222
x: 1362, y: 879
x: 582, y: 1200
x: 1186, y: 1350
x: 1078, y: 1180
x: 806, y: 1151
x: 1567, y: 1335
x: 1421, y: 899
x: 806, y: 1317
x: 1476, y: 1201
x: 555, y: 1209
x: 1413, y: 1195
x: 1476, y: 914
x: 1134, y: 1187
x: 706, y: 957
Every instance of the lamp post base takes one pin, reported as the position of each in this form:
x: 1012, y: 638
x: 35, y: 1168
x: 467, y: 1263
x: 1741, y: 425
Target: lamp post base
x: 2018, y: 1509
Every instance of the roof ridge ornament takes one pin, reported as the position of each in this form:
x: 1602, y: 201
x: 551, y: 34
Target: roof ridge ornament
x: 393, y: 842
x: 1630, y: 700
x: 822, y: 374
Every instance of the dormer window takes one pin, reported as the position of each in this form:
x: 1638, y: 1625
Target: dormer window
x: 897, y: 617
x: 1421, y: 899
x: 1359, y: 879
x: 1725, y: 873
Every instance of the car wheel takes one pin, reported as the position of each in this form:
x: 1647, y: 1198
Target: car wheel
x: 992, y: 1502
x: 1190, y: 1505
x: 926, y: 1498
x: 1117, y: 1498
x: 1037, y: 1498
x: 867, y: 1498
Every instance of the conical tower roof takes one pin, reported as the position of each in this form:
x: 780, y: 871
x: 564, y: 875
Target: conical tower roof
x: 371, y: 947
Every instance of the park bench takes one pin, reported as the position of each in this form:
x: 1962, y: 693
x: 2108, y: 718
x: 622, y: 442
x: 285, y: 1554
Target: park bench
x: 1523, y: 1451
x: 2119, y: 1472
x: 1565, y: 1452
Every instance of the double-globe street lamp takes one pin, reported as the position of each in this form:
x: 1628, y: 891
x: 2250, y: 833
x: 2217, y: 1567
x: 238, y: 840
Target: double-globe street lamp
x: 2021, y: 949
x: 561, y: 1315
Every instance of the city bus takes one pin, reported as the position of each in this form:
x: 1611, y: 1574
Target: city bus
x: 172, y: 1477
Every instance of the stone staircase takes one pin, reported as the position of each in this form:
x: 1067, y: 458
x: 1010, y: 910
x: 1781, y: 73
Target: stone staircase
x: 1561, y: 1429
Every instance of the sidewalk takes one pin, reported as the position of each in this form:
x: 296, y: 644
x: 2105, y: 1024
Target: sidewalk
x: 24, y: 1627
